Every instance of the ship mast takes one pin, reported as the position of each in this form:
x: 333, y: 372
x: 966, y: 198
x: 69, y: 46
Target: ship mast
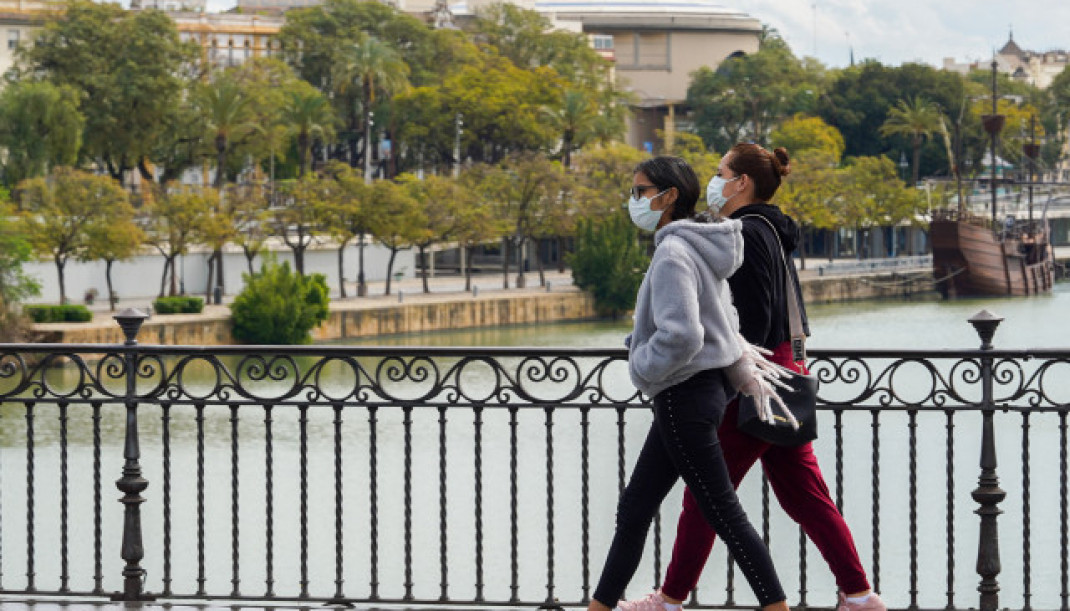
x: 993, y: 124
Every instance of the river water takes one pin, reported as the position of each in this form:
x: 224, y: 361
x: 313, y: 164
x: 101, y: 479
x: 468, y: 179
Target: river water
x: 1033, y: 322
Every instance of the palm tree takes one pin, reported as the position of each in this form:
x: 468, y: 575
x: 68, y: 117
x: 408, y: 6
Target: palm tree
x: 574, y: 120
x: 372, y: 66
x: 918, y: 118
x: 307, y: 115
x: 224, y: 106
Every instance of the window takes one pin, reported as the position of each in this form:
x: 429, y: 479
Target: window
x: 643, y: 51
x: 602, y: 42
x: 13, y: 39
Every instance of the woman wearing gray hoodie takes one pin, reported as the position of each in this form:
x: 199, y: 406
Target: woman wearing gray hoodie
x: 685, y: 353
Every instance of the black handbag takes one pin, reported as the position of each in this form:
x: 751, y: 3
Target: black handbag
x: 801, y: 400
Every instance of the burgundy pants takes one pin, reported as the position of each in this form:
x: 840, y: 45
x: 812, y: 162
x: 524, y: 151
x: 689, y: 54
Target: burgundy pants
x: 796, y: 480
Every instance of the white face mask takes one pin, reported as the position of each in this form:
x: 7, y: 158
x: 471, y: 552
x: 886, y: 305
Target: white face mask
x: 714, y: 193
x: 642, y: 215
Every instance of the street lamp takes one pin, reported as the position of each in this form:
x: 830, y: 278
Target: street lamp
x: 458, y: 122
x: 903, y: 164
x: 368, y: 148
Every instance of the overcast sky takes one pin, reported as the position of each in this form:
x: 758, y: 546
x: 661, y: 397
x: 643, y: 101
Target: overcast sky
x: 898, y: 31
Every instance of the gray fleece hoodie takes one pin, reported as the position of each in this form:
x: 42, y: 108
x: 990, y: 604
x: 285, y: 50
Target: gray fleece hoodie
x: 684, y: 318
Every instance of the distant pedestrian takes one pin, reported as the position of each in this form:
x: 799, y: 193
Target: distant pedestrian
x: 685, y: 353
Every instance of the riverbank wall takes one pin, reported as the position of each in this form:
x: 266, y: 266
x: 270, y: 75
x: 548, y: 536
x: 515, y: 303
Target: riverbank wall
x: 417, y: 312
x: 354, y: 318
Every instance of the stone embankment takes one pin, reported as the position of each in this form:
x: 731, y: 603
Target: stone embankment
x: 448, y: 306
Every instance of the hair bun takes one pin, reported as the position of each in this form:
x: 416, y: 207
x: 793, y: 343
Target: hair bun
x: 780, y: 154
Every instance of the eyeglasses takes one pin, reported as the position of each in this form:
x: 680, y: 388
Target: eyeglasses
x: 637, y: 190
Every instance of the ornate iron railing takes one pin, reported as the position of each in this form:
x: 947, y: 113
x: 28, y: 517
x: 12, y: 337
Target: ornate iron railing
x: 489, y: 476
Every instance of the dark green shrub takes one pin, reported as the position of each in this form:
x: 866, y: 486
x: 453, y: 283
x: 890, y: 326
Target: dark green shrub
x: 178, y: 305
x: 58, y: 313
x: 609, y: 262
x: 278, y: 306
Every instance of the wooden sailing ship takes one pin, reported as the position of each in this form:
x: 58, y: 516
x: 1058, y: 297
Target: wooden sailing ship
x: 975, y: 255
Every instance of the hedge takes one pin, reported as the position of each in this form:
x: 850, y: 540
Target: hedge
x: 178, y: 305
x: 58, y: 313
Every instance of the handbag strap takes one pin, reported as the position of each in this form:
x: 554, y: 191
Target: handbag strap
x: 795, y: 327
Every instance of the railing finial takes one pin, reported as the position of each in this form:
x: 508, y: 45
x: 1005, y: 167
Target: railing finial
x: 131, y: 320
x: 985, y: 323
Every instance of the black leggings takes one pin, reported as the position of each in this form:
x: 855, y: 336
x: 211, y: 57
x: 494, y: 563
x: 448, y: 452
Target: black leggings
x: 683, y: 443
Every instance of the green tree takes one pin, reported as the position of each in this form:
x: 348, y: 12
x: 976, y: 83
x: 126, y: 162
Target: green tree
x: 441, y: 201
x: 400, y: 222
x: 746, y: 96
x: 525, y: 187
x: 173, y: 219
x: 916, y: 118
x: 502, y: 108
x: 114, y: 235
x: 301, y: 214
x: 804, y: 133
x: 370, y: 67
x: 307, y: 116
x: 41, y: 128
x: 813, y: 192
x: 574, y: 121
x: 225, y: 107
x: 477, y: 222
x: 15, y: 285
x: 58, y: 211
x: 346, y: 217
x: 251, y: 205
x: 875, y: 197
x: 130, y: 69
x: 609, y: 262
x: 278, y: 306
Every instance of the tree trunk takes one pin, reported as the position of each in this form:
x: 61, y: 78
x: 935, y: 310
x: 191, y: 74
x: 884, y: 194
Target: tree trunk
x: 505, y: 263
x: 917, y: 160
x: 107, y: 280
x: 219, y: 271
x: 467, y: 268
x: 539, y: 266
x: 521, y: 281
x: 341, y: 271
x: 390, y: 269
x: 423, y: 266
x: 144, y: 171
x: 249, y: 256
x: 303, y: 142
x: 220, y: 160
x: 561, y: 254
x: 299, y: 259
x: 362, y: 287
x: 174, y: 284
x: 163, y: 277
x: 60, y: 263
x: 211, y: 277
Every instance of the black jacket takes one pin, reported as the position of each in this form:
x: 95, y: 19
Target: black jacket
x: 758, y: 285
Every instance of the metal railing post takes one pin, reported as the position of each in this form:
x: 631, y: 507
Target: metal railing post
x: 988, y: 493
x: 131, y: 484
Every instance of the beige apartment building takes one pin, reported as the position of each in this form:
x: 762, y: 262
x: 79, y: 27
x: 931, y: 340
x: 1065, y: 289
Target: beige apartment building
x: 655, y: 45
x: 19, y: 20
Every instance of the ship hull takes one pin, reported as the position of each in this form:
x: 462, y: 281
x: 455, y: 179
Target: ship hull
x: 969, y: 259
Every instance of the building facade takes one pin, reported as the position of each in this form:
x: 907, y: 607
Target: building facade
x: 655, y: 45
x: 19, y: 21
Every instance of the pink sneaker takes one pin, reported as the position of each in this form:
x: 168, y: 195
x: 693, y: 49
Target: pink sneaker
x: 651, y: 602
x: 873, y: 603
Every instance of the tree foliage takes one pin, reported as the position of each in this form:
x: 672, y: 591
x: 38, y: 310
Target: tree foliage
x: 609, y: 262
x: 278, y: 306
x: 40, y: 128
